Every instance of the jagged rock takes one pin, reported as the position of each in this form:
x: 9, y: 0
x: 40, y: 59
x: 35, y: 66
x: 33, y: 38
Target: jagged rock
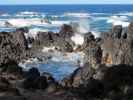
x: 118, y: 50
x: 66, y: 31
x: 10, y: 49
x: 20, y: 39
x: 64, y: 46
x: 80, y: 76
x: 88, y: 37
x: 117, y: 31
x: 92, y: 50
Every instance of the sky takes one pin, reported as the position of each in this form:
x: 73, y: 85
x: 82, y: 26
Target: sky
x: 8, y: 2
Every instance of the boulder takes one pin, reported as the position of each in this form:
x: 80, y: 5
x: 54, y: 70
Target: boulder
x: 11, y: 67
x: 31, y: 76
x: 40, y: 83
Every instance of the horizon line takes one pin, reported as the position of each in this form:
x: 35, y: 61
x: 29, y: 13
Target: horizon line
x: 74, y: 4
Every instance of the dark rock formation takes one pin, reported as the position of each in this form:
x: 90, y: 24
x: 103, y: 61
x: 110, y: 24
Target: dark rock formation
x: 19, y: 38
x: 12, y: 67
x: 40, y: 83
x: 4, y: 84
x: 10, y: 49
x: 61, y: 40
x: 92, y: 50
x: 117, y: 31
x: 66, y: 31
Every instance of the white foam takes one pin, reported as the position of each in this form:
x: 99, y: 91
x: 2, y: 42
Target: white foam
x: 100, y: 18
x: 28, y: 13
x: 27, y: 22
x: 96, y: 34
x: 119, y: 20
x: 82, y: 26
x: 33, y: 32
x: 126, y: 14
x: 47, y: 49
x: 59, y: 23
x: 5, y: 15
x: 19, y: 22
x: 80, y: 15
x: 75, y: 57
x: 78, y: 39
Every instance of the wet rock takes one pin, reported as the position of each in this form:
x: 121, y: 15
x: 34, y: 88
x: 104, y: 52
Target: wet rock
x: 49, y: 77
x: 64, y: 46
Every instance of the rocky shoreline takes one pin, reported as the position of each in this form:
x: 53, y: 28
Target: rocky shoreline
x: 106, y: 74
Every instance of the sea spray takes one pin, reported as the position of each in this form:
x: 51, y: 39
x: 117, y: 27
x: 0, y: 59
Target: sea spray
x: 81, y: 28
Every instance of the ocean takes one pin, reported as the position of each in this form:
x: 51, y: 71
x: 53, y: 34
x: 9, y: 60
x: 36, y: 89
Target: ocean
x: 96, y: 18
x: 84, y: 18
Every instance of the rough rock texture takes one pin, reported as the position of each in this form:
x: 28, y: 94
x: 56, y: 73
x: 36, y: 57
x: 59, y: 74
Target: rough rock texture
x: 66, y: 31
x: 12, y: 67
x: 117, y: 46
x: 92, y: 50
x: 61, y: 40
x: 10, y: 48
x: 19, y: 38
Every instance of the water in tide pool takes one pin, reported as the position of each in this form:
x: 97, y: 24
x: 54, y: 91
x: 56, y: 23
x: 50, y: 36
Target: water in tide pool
x: 59, y: 70
x: 95, y: 18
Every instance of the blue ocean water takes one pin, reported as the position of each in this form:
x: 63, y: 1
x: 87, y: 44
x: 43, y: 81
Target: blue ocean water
x: 58, y: 9
x: 98, y: 19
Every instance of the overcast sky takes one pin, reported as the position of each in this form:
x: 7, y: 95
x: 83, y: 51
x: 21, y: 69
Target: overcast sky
x: 66, y: 2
